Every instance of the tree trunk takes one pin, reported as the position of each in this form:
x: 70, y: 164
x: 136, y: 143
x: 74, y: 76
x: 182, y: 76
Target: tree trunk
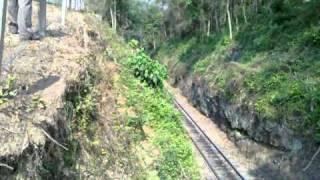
x: 217, y: 21
x: 111, y: 15
x: 244, y: 12
x: 3, y: 11
x: 42, y: 15
x: 209, y: 28
x: 256, y: 5
x: 164, y: 30
x: 154, y: 42
x: 64, y: 12
x: 115, y: 15
x: 237, y: 22
x: 229, y: 19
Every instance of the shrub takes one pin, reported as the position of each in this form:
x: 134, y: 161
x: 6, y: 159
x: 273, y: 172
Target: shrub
x: 7, y: 89
x: 312, y: 36
x: 147, y: 69
x: 314, y: 115
x: 82, y: 97
x: 134, y: 44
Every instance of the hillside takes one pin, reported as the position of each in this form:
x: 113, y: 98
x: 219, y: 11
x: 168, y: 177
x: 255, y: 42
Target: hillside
x: 263, y: 83
x: 165, y: 89
x: 271, y: 66
x: 70, y: 110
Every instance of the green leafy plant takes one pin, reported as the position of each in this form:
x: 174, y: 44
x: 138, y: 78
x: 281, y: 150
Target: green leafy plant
x: 8, y: 90
x: 36, y: 103
x: 83, y: 100
x: 147, y: 69
x: 314, y: 106
x: 312, y: 36
x: 137, y: 123
x: 134, y: 44
x: 84, y: 110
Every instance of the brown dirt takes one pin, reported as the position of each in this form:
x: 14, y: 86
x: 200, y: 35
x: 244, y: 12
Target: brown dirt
x: 43, y: 71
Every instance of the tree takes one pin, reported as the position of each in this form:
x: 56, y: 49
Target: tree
x: 154, y: 21
x: 229, y: 19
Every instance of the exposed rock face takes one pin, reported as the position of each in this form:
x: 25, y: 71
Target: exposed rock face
x: 277, y: 152
x: 238, y: 116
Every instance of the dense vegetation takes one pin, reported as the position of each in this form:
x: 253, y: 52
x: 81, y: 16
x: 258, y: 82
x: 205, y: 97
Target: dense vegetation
x: 260, y: 53
x: 271, y: 64
x: 154, y: 109
x: 147, y: 69
x: 150, y: 113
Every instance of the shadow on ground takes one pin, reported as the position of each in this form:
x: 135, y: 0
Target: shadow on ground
x: 43, y: 84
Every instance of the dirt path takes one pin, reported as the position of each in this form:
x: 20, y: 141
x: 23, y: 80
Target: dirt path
x: 219, y: 137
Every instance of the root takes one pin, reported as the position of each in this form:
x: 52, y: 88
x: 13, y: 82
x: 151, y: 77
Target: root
x: 10, y: 130
x: 311, y: 161
x: 6, y: 166
x: 54, y: 141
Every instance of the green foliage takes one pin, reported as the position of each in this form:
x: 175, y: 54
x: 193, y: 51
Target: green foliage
x: 69, y: 157
x: 8, y: 90
x: 36, y: 103
x: 84, y: 109
x: 283, y: 97
x: 137, y: 123
x: 134, y: 44
x: 147, y: 69
x: 155, y: 109
x: 312, y: 36
x: 313, y: 106
x: 271, y: 65
x: 175, y: 158
x: 83, y: 100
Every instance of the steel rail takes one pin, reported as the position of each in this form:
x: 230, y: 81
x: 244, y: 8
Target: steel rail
x: 228, y: 162
x: 202, y: 154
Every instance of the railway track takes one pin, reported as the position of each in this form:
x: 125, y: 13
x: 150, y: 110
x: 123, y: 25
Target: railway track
x: 217, y: 162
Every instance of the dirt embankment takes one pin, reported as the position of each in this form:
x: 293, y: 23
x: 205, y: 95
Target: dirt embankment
x: 35, y: 120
